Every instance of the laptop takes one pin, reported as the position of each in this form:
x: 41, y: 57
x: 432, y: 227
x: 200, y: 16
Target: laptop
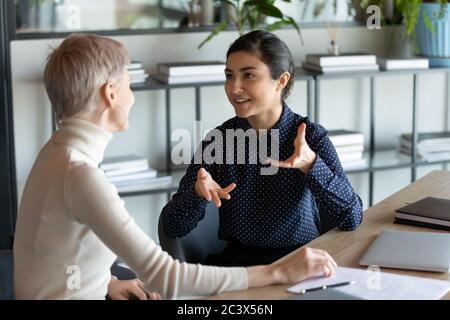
x: 425, y: 251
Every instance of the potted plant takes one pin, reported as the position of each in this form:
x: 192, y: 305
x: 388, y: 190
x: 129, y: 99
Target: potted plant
x: 249, y: 15
x: 427, y: 23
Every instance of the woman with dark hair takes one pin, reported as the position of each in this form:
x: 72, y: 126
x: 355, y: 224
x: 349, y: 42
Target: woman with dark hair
x: 267, y: 213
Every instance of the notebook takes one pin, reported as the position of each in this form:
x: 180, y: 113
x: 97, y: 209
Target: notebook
x: 425, y: 251
x: 429, y: 212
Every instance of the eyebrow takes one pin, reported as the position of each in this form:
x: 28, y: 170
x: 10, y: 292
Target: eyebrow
x: 242, y: 70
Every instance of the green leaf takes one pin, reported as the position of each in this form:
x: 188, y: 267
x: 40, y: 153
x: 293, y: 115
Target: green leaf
x: 265, y: 8
x: 222, y: 26
x: 428, y: 22
x: 277, y: 25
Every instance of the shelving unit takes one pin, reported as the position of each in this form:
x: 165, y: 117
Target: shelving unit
x: 378, y: 160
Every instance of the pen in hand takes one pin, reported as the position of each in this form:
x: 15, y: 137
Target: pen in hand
x: 347, y: 283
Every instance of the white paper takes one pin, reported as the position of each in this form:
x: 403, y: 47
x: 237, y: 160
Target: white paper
x: 379, y: 285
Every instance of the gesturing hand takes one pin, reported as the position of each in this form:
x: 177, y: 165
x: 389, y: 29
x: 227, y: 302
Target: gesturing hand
x: 208, y: 189
x: 303, y: 157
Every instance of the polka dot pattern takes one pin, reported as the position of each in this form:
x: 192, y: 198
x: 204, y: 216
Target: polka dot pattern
x: 270, y: 211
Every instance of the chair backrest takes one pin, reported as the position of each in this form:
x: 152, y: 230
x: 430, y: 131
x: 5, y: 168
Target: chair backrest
x: 199, y: 243
x: 6, y: 275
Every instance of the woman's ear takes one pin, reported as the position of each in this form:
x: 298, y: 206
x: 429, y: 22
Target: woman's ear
x: 283, y: 80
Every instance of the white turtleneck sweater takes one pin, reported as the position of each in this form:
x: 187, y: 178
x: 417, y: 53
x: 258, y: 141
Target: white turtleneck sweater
x: 72, y: 224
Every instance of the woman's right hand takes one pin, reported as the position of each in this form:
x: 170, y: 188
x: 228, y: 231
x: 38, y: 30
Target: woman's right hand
x: 206, y: 188
x: 302, y: 264
x: 297, y: 266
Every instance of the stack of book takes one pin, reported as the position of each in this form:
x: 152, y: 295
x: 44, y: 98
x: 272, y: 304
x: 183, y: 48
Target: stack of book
x: 350, y: 62
x: 431, y: 146
x: 131, y: 173
x: 137, y: 73
x: 349, y: 147
x: 190, y: 72
x: 403, y: 63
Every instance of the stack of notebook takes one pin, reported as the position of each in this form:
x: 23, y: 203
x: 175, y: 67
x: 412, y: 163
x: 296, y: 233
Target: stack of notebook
x: 432, y: 146
x: 429, y: 212
x: 349, y: 147
x: 191, y: 72
x: 350, y: 62
x: 131, y: 173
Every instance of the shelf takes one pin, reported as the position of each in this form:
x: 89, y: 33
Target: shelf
x: 381, y: 73
x: 382, y: 160
x: 391, y: 159
x: 154, y: 84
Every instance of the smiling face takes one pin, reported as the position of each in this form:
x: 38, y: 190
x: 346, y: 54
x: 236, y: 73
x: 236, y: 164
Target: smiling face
x: 251, y: 89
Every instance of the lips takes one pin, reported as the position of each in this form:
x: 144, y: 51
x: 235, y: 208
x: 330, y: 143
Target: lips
x: 241, y: 100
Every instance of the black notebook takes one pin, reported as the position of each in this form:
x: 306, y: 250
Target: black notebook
x: 429, y: 212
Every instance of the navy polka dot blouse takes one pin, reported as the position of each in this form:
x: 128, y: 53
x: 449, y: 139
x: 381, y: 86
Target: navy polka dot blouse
x: 270, y: 211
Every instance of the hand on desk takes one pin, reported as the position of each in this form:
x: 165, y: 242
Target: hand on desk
x: 303, y: 157
x: 297, y: 266
x: 206, y: 188
x: 125, y: 289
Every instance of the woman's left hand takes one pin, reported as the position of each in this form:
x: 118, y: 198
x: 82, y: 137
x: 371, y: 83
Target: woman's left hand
x: 125, y: 289
x: 303, y: 157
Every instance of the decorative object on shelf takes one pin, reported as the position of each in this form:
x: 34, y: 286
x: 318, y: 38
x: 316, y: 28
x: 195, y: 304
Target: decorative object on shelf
x: 333, y: 31
x: 249, y: 15
x: 427, y: 24
x: 207, y: 12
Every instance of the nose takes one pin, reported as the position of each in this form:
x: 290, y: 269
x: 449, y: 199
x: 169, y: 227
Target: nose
x: 237, y: 86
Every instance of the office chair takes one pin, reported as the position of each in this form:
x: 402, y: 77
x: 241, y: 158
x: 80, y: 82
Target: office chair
x: 6, y: 275
x: 204, y: 239
x: 199, y: 243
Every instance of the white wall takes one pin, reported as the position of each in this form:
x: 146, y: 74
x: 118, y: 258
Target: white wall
x: 344, y: 103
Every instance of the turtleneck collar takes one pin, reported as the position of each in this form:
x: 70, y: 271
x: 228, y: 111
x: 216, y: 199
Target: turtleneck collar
x: 84, y: 136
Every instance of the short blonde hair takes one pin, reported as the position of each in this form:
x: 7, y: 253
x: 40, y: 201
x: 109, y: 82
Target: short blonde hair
x: 77, y: 69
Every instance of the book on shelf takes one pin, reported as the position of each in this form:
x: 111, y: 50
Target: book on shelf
x: 429, y: 137
x: 350, y: 156
x: 345, y: 59
x: 160, y: 181
x: 354, y: 164
x: 430, y: 211
x: 191, y: 68
x: 345, y: 137
x: 134, y: 176
x: 343, y: 68
x: 138, y: 79
x: 219, y: 77
x: 350, y: 148
x: 135, y: 65
x: 136, y: 72
x: 126, y: 170
x: 387, y: 63
x: 120, y: 162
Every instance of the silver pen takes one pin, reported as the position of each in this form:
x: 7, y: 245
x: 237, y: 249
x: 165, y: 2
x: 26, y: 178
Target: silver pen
x: 347, y: 283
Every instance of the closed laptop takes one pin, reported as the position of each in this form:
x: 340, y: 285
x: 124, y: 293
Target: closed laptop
x: 425, y: 251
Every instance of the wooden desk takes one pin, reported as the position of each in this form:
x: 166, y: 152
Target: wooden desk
x: 348, y: 247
